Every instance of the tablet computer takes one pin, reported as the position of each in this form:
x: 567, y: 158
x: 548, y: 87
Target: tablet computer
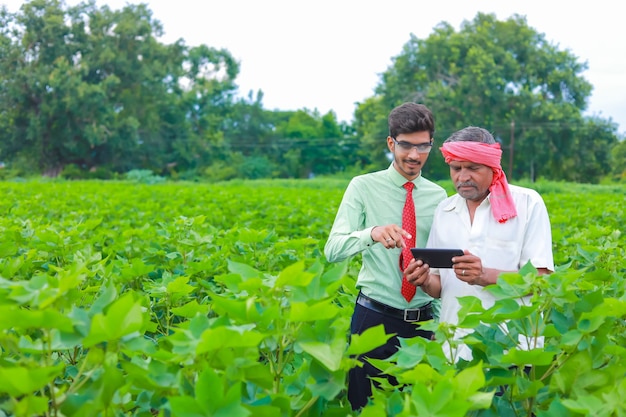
x: 436, y: 258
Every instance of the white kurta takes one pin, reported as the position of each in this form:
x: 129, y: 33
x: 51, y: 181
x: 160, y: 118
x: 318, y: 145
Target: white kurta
x: 506, y: 246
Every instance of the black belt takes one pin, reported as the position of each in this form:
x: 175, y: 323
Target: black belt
x: 411, y: 314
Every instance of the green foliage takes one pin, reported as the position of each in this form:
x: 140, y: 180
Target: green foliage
x: 118, y: 307
x: 506, y: 77
x: 128, y: 298
x: 8, y: 173
x: 74, y: 172
x: 220, y: 171
x: 144, y: 176
x: 618, y: 161
x: 255, y: 167
x: 91, y: 87
x: 102, y: 91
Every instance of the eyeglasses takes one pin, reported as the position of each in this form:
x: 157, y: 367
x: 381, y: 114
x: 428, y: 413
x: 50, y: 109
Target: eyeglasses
x: 406, y: 146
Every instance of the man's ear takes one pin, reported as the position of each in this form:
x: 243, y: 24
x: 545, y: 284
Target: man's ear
x: 390, y: 143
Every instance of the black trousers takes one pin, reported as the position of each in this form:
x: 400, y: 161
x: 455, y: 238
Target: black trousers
x: 359, y: 382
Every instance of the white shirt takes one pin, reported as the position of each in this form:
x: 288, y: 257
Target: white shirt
x: 506, y: 246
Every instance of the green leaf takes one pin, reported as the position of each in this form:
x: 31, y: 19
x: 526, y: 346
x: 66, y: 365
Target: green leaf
x: 522, y: 357
x: 294, y: 276
x: 469, y: 306
x: 329, y: 355
x: 481, y: 400
x: 588, y: 326
x: 328, y: 384
x: 107, y: 295
x: 7, y: 249
x: 585, y: 404
x: 245, y: 271
x: 528, y: 268
x: 610, y: 307
x: 122, y: 317
x: 214, y: 397
x: 370, y: 339
x: 18, y: 318
x: 243, y: 310
x: 186, y: 406
x: 20, y: 380
x: 578, y: 364
x: 411, y: 352
x: 209, y: 385
x: 31, y: 405
x: 331, y: 279
x: 471, y: 379
x: 191, y: 309
x: 227, y: 338
x: 179, y: 287
x: 322, y: 310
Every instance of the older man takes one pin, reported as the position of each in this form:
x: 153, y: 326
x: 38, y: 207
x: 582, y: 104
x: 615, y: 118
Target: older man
x: 500, y: 227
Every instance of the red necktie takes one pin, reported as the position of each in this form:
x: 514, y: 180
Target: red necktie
x: 408, y: 224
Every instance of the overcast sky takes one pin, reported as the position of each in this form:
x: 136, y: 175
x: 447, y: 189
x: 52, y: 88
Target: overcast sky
x: 328, y: 54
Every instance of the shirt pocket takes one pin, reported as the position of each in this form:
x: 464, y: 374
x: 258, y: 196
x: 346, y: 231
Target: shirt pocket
x: 501, y: 254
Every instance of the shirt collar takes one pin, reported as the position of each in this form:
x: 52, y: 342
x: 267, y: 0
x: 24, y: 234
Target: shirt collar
x: 458, y: 202
x: 398, y: 180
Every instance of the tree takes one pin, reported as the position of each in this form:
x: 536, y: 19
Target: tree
x: 249, y: 128
x: 370, y: 124
x: 496, y: 74
x: 311, y: 143
x: 92, y: 87
x: 618, y: 161
x: 208, y: 99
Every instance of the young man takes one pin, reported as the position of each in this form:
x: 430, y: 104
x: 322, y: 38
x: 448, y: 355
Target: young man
x: 369, y: 222
x: 501, y: 227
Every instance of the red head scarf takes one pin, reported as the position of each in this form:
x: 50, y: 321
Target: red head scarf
x: 502, y: 205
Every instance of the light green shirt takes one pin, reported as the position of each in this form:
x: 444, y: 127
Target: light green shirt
x: 377, y: 199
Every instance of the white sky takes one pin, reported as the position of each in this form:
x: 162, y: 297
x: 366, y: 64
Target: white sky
x: 328, y: 54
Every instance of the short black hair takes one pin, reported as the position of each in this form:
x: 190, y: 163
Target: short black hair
x: 409, y: 118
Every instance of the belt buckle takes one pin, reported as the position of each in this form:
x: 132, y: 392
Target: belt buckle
x: 410, y: 310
